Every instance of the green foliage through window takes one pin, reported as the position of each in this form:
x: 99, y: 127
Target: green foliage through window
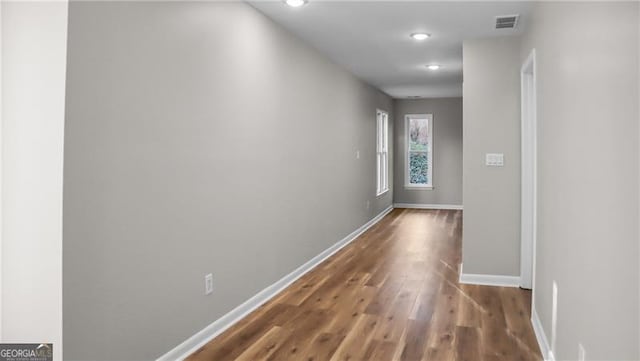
x: 418, y: 168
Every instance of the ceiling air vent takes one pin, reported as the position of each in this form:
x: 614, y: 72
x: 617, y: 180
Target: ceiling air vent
x: 507, y: 21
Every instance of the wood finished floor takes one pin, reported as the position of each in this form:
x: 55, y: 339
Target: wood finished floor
x: 393, y: 294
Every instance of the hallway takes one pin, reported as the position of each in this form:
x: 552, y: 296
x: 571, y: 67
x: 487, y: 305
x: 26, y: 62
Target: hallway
x: 314, y: 180
x: 393, y: 294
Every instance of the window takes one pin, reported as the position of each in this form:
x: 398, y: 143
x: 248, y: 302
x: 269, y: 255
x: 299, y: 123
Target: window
x: 382, y: 152
x: 419, y: 155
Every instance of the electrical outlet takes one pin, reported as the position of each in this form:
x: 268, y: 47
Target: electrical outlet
x: 208, y: 284
x: 368, y: 205
x: 582, y: 354
x: 357, y: 154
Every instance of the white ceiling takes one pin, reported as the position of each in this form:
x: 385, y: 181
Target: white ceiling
x: 371, y: 39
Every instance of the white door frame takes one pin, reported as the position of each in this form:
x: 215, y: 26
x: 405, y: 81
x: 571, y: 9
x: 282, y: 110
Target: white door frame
x: 528, y: 128
x: 1, y: 174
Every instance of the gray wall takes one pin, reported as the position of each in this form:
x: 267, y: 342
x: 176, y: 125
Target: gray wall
x: 447, y: 152
x: 587, y: 63
x: 200, y: 137
x: 491, y: 97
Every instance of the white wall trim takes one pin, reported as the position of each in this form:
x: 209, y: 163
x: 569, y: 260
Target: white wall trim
x: 198, y: 340
x: 488, y: 280
x: 34, y: 60
x: 541, y: 337
x: 427, y: 206
x: 1, y: 174
x: 528, y: 172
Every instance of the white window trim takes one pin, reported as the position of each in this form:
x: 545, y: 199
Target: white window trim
x: 408, y: 185
x: 382, y: 150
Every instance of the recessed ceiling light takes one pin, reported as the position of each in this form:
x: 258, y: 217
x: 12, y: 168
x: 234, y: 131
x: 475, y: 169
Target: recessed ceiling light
x: 433, y: 67
x: 295, y: 3
x: 420, y: 36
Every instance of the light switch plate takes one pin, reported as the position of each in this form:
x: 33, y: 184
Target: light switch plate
x: 494, y: 159
x: 208, y: 284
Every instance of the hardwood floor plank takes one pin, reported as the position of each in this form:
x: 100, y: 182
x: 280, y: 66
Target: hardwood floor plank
x: 304, y: 325
x: 392, y: 294
x: 495, y: 338
x: 303, y: 289
x: 386, y: 294
x: 467, y: 344
x: 439, y: 354
x: 323, y: 346
x: 350, y: 309
x: 415, y: 341
x: 395, y: 319
x: 355, y: 344
x: 232, y: 342
x: 380, y: 350
x: 470, y: 312
x: 265, y: 345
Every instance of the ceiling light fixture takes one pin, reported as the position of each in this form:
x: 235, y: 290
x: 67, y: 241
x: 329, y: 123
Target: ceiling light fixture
x: 420, y: 36
x: 433, y: 67
x: 295, y: 3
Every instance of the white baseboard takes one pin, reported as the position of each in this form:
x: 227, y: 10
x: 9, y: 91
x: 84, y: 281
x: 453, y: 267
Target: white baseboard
x: 488, y: 280
x: 427, y: 206
x: 198, y: 340
x: 547, y: 354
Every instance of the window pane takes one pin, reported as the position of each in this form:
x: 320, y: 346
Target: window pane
x: 379, y: 169
x: 418, y: 134
x: 385, y: 173
x: 418, y: 168
x: 385, y: 136
x: 379, y: 133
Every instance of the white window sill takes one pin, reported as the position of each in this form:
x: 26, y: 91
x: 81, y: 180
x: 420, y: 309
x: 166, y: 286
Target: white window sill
x: 418, y: 188
x: 382, y: 193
